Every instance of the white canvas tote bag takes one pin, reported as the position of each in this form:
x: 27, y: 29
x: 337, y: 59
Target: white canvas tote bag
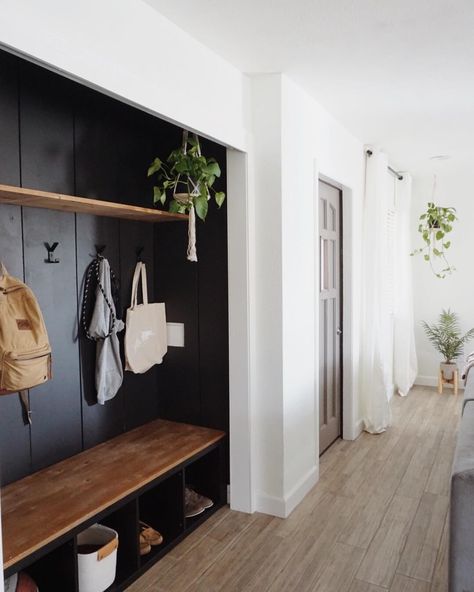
x: 145, y: 330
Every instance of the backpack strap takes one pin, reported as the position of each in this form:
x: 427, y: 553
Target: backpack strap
x: 25, y: 403
x: 94, y: 270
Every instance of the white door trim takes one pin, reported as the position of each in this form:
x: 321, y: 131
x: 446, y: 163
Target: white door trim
x: 239, y: 226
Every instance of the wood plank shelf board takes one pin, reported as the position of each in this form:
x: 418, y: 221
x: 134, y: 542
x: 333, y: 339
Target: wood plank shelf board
x: 44, y: 506
x: 80, y: 205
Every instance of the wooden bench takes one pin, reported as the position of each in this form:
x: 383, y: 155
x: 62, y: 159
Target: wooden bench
x: 144, y: 471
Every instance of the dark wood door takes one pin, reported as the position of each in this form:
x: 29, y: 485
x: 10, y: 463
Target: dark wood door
x: 330, y: 317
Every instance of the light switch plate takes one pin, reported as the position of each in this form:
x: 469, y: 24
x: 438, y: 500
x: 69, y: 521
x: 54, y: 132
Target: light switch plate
x: 175, y: 334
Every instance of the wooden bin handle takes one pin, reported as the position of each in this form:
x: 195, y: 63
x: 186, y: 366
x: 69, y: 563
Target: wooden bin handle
x: 107, y: 549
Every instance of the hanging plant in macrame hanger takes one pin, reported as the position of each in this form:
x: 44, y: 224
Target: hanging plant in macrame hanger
x: 435, y: 224
x: 186, y: 179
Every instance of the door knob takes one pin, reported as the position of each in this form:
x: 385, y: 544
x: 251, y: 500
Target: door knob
x: 339, y: 331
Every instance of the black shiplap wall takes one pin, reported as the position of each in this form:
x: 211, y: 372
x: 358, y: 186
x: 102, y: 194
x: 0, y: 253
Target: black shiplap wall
x: 57, y: 135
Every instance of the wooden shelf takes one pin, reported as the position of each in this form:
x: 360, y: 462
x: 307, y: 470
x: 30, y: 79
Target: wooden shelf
x: 69, y: 203
x: 43, y: 507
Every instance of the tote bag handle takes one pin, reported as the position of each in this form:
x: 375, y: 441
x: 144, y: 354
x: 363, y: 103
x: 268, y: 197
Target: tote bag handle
x: 140, y: 273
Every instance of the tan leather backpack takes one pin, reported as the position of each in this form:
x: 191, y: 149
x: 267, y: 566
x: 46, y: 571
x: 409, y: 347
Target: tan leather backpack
x: 25, y: 353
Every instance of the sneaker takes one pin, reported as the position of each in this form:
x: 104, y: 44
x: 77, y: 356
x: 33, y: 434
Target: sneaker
x: 194, y: 503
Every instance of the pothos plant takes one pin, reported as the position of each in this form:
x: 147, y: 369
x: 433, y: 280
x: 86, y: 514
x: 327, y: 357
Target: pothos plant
x: 186, y: 179
x: 435, y: 224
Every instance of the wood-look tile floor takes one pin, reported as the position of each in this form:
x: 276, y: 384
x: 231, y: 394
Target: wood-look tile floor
x: 375, y: 522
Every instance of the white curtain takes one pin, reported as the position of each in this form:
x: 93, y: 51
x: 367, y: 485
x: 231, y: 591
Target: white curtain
x: 405, y: 366
x: 377, y: 344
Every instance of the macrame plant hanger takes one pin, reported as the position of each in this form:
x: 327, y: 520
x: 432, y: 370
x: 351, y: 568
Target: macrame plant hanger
x: 188, y: 199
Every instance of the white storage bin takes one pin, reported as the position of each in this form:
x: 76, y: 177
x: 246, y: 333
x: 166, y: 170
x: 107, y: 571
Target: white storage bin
x: 97, y: 560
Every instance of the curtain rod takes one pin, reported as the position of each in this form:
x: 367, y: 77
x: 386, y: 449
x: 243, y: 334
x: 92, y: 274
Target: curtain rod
x: 393, y: 171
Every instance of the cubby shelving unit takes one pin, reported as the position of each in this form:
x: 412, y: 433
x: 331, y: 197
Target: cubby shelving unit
x: 34, y: 198
x: 139, y: 475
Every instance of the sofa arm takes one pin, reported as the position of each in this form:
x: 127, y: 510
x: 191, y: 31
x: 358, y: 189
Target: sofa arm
x: 461, y: 537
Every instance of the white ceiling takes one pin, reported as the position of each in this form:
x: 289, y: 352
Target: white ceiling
x: 399, y: 73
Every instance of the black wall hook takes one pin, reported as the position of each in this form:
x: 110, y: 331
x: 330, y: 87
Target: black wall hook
x: 139, y: 252
x: 99, y: 249
x: 51, y: 249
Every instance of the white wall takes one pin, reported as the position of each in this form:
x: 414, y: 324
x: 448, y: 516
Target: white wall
x: 456, y: 291
x: 129, y: 49
x: 295, y: 140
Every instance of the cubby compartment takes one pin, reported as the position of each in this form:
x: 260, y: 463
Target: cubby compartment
x: 161, y: 507
x: 204, y: 477
x: 125, y: 522
x: 57, y: 570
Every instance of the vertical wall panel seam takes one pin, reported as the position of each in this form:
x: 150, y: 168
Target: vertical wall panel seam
x: 19, y: 87
x: 199, y: 343
x: 78, y: 283
x: 123, y: 306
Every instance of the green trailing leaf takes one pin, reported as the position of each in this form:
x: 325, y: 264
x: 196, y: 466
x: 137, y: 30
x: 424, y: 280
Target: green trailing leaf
x: 439, y: 235
x: 201, y: 205
x: 213, y: 169
x: 159, y: 196
x: 154, y: 167
x: 174, y: 206
x: 447, y: 244
x: 220, y: 198
x: 436, y: 252
x: 426, y: 257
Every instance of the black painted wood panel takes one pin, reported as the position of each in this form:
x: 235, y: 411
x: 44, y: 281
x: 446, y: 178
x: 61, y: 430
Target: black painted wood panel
x: 56, y: 406
x: 9, y: 127
x: 100, y: 422
x: 213, y: 308
x: 59, y: 136
x: 46, y: 131
x: 139, y: 390
x: 15, y: 458
x: 176, y: 283
x: 97, y: 129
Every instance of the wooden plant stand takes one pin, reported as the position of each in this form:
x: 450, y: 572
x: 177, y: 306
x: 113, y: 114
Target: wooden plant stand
x: 454, y: 381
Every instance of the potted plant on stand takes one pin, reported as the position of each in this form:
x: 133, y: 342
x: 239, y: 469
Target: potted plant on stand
x: 447, y: 338
x: 186, y: 179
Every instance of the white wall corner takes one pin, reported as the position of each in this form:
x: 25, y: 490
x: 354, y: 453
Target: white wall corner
x: 269, y: 504
x: 301, y: 489
x: 282, y: 507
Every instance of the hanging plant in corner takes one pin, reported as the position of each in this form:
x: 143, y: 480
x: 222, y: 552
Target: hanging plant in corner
x: 435, y: 224
x: 186, y: 179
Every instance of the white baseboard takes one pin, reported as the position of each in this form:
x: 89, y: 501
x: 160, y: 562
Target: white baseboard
x: 282, y: 507
x: 433, y: 381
